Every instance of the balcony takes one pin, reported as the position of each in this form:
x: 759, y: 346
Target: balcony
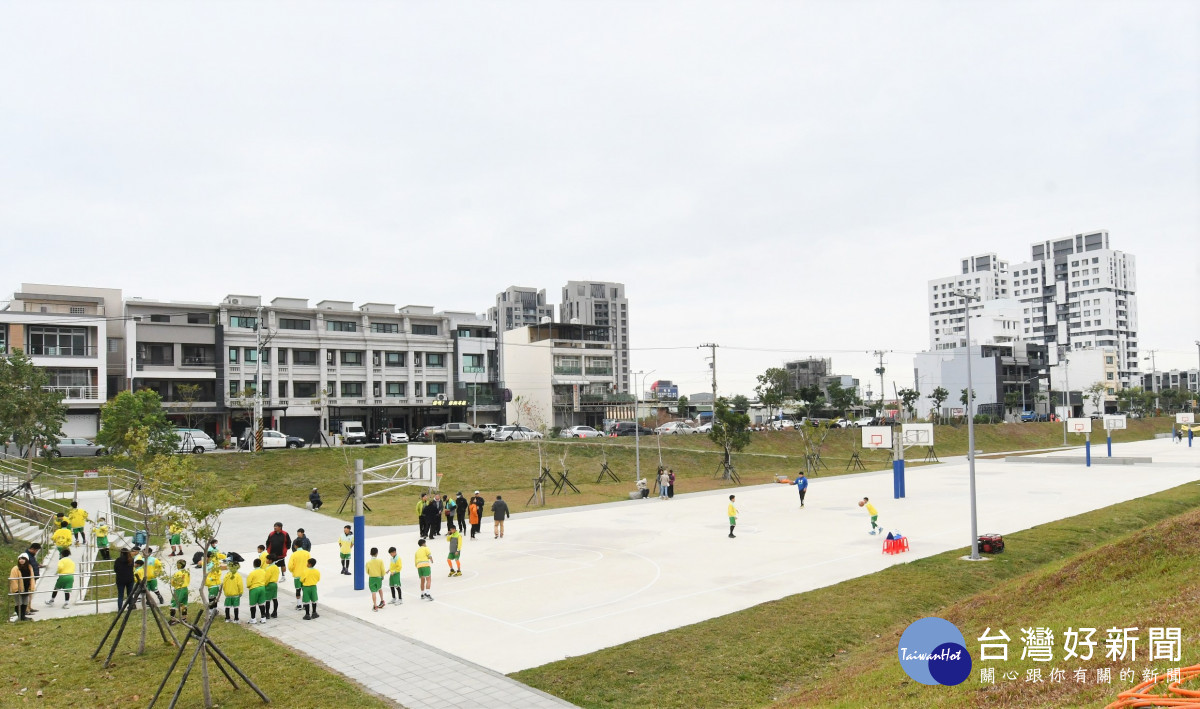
x: 593, y: 399
x: 474, y: 370
x: 568, y: 370
x: 69, y: 392
x: 598, y: 371
x: 70, y: 351
x: 198, y: 362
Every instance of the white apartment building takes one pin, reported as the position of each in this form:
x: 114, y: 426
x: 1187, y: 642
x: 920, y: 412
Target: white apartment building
x: 519, y: 306
x: 562, y: 374
x: 67, y: 335
x: 1074, y: 294
x: 385, y: 366
x: 604, y: 304
x: 1078, y: 371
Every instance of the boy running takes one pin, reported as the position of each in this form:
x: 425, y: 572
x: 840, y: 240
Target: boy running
x: 180, y: 580
x: 234, y: 587
x: 874, y: 515
x: 66, y: 579
x: 345, y: 545
x: 455, y: 538
x: 256, y: 586
x: 271, y: 596
x: 394, y: 577
x: 175, y: 530
x: 310, y: 577
x: 77, y: 518
x: 297, y: 564
x: 424, y: 559
x: 101, y: 533
x: 375, y: 571
x: 732, y: 517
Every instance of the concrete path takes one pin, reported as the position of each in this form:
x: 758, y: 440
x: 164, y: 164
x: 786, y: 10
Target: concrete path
x: 404, y: 670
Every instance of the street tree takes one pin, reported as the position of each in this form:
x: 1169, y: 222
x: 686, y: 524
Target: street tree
x: 126, y: 417
x: 1012, y: 399
x: 739, y: 403
x: 841, y: 398
x: 730, y: 431
x: 772, y: 388
x: 938, y: 397
x: 682, y: 407
x: 1096, y: 393
x: 908, y: 399
x: 964, y: 399
x: 187, y: 397
x: 811, y: 398
x: 31, y: 415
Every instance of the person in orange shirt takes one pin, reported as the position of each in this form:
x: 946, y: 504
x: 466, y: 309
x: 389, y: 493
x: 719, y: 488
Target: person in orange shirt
x: 473, y: 512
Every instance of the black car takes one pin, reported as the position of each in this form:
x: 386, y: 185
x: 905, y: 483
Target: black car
x: 629, y: 428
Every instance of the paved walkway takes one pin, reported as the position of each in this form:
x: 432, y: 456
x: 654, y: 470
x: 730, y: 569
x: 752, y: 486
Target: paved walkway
x: 404, y: 670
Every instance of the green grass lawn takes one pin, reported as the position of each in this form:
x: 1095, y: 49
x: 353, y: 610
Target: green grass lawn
x: 53, y: 657
x: 508, y: 469
x: 815, y: 649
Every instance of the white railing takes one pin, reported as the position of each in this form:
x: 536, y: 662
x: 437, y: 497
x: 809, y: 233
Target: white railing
x: 77, y: 392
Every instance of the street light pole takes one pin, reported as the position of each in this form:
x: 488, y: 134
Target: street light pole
x: 967, y: 298
x: 637, y: 425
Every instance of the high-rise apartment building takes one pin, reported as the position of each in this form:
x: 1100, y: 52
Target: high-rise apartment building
x: 519, y: 306
x: 601, y: 303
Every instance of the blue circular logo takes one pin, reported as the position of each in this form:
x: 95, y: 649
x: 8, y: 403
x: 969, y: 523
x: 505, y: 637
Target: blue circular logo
x: 933, y: 651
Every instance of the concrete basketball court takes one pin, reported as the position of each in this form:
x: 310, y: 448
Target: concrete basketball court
x: 568, y: 582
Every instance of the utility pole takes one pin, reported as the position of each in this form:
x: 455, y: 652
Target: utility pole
x: 1154, y: 377
x: 880, y: 370
x: 713, y: 348
x: 256, y: 423
x: 967, y: 298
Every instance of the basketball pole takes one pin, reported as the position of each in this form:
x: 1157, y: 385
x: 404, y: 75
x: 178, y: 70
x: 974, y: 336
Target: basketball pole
x: 360, y: 527
x: 898, y: 467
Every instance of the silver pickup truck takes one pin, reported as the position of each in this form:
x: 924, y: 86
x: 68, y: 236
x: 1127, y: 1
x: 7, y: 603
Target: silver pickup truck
x: 459, y: 433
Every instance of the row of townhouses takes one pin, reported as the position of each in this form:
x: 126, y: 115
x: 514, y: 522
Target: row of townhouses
x: 312, y: 366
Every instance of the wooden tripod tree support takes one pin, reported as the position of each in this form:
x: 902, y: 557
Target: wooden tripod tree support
x: 605, y: 471
x: 205, y: 649
x: 148, y: 606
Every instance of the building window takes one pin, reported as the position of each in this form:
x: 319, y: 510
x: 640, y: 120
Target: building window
x: 199, y: 356
x: 330, y: 388
x: 304, y: 390
x: 77, y: 310
x: 341, y: 326
x: 395, y: 389
x: 464, y: 333
x: 1109, y: 376
x: 435, y: 388
x: 417, y: 361
x: 234, y: 387
x: 114, y: 344
x: 393, y: 359
x: 433, y: 359
x: 473, y: 363
x: 330, y: 357
x: 199, y: 319
x: 249, y: 355
x: 266, y: 390
x: 57, y: 341
x: 160, y: 318
x: 1108, y: 360
x: 352, y: 389
x: 353, y: 357
x: 233, y: 355
x: 388, y: 328
x: 243, y: 322
x: 417, y: 389
x: 295, y: 324
x: 424, y: 329
x: 308, y: 357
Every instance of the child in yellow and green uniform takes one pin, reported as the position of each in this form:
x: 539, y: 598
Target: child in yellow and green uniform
x: 309, y: 578
x: 175, y: 530
x: 101, y: 534
x: 139, y: 576
x: 455, y: 538
x: 66, y: 579
x: 874, y: 515
x: 256, y: 586
x: 61, y: 539
x: 271, y: 593
x: 233, y: 586
x: 297, y: 563
x: 345, y: 546
x: 424, y: 562
x: 154, y: 569
x: 394, y: 577
x: 732, y: 516
x: 262, y: 554
x: 180, y: 580
x: 212, y: 581
x: 77, y: 519
x: 375, y: 571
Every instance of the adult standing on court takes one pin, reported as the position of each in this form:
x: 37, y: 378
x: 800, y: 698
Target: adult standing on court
x: 671, y: 487
x: 478, y: 500
x: 278, y: 543
x: 421, y: 520
x: 499, y: 514
x: 20, y: 587
x: 432, y: 518
x: 801, y: 484
x: 123, y: 571
x: 460, y: 510
x: 664, y: 482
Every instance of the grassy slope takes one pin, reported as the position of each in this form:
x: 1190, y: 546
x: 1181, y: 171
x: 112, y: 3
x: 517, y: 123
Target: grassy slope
x: 52, y: 656
x: 835, y: 653
x: 508, y: 468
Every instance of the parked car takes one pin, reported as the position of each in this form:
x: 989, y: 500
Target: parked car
x: 781, y: 424
x: 704, y: 428
x: 352, y: 432
x: 579, y: 432
x: 458, y: 433
x: 629, y: 428
x: 72, y: 448
x: 516, y: 433
x: 425, y: 435
x: 843, y: 423
x: 194, y: 440
x: 397, y: 437
x: 490, y: 428
x: 675, y: 427
x: 273, y: 439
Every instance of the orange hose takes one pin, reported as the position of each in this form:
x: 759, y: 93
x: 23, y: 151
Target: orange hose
x: 1185, y: 698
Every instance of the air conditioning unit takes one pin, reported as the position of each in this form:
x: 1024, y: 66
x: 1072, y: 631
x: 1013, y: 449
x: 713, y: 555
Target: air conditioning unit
x: 441, y: 397
x: 235, y: 301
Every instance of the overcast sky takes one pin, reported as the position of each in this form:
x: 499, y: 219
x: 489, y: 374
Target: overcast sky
x: 777, y: 177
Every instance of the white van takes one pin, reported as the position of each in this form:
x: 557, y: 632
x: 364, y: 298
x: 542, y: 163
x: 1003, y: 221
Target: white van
x: 194, y: 440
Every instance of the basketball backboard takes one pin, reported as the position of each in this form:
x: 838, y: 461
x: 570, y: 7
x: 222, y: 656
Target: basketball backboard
x: 877, y: 437
x: 1079, y: 425
x: 917, y: 434
x: 1114, y: 422
x: 427, y: 472
x: 1185, y: 418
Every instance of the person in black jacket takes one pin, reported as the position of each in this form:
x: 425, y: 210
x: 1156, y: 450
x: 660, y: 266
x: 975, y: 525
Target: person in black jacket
x: 432, y: 514
x: 499, y: 514
x: 123, y: 570
x: 302, y: 540
x: 460, y: 510
x: 314, y: 498
x: 278, y: 543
